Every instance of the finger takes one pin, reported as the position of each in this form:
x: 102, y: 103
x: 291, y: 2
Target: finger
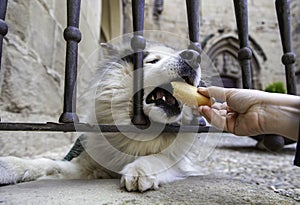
x: 214, y: 117
x: 229, y: 109
x: 222, y: 112
x: 196, y: 111
x: 204, y: 111
x: 218, y: 119
x: 203, y: 91
x: 231, y: 121
x: 219, y: 106
x: 224, y: 106
x: 217, y: 92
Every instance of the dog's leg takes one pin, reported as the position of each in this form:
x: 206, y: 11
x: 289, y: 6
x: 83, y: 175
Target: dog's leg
x: 14, y: 170
x: 148, y: 172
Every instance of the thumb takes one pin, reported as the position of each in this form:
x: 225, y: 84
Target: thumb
x: 213, y: 91
x: 203, y: 91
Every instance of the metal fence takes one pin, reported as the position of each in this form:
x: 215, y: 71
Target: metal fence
x: 69, y: 122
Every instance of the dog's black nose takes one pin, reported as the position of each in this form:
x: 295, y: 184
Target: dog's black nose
x: 191, y: 57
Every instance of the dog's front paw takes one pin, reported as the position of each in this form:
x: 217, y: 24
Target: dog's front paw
x: 136, y: 177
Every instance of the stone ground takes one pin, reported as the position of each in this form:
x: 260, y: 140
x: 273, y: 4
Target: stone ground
x: 237, y: 173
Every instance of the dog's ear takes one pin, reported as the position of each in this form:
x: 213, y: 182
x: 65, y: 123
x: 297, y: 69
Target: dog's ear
x: 108, y: 49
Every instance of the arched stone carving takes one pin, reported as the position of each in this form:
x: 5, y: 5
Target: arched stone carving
x: 224, y: 55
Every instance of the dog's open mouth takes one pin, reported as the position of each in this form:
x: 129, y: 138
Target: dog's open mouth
x: 162, y: 97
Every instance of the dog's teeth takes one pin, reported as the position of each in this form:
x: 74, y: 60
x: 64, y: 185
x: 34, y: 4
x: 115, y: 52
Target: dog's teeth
x: 153, y: 98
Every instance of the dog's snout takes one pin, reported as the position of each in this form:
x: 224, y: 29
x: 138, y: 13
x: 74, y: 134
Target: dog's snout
x: 191, y: 57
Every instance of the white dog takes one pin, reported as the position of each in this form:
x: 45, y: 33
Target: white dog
x: 142, y: 160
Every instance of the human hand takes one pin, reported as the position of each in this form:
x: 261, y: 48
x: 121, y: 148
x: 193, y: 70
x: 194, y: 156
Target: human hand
x: 252, y: 112
x: 242, y: 113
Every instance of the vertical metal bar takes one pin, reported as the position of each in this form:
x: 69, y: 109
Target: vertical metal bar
x: 288, y: 58
x: 245, y: 53
x: 3, y: 25
x: 297, y: 154
x: 72, y: 36
x: 138, y: 44
x: 193, y: 24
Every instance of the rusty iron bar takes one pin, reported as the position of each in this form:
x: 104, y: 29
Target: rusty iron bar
x: 192, y: 55
x: 288, y: 58
x: 3, y: 25
x: 82, y: 127
x: 245, y: 53
x: 297, y: 154
x: 192, y: 7
x: 138, y: 44
x: 72, y: 35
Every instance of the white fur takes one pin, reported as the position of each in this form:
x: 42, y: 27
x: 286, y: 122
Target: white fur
x: 143, y: 161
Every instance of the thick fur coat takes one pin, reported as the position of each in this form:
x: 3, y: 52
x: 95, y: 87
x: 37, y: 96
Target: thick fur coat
x: 142, y: 161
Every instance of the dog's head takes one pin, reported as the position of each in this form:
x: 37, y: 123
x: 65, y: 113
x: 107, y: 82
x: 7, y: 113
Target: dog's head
x: 161, y: 65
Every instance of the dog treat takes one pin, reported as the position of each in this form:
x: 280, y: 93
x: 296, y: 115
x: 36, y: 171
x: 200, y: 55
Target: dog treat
x: 189, y: 95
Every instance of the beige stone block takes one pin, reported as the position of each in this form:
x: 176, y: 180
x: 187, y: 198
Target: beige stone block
x: 59, y: 53
x: 60, y: 13
x: 42, y: 33
x: 93, y: 17
x: 28, y: 87
x: 17, y: 19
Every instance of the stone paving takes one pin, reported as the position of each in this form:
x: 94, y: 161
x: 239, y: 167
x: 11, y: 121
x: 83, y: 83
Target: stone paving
x: 236, y: 173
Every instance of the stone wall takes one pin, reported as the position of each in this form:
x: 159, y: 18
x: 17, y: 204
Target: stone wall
x: 217, y: 21
x: 33, y: 69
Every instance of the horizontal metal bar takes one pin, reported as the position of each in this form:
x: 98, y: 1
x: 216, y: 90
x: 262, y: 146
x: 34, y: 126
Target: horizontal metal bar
x: 82, y: 127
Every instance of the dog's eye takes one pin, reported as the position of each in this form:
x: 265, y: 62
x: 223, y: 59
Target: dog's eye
x: 153, y: 61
